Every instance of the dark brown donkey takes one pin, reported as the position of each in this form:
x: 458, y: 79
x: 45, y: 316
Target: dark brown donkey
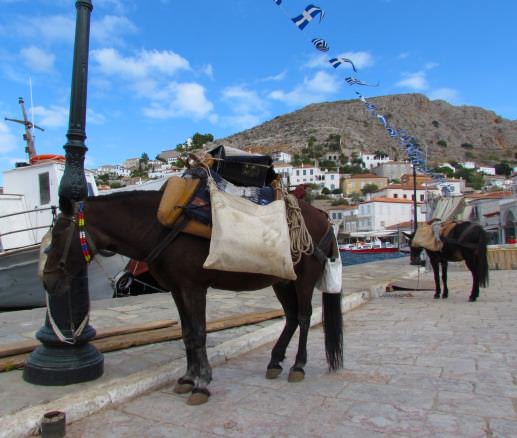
x: 126, y: 224
x: 467, y: 241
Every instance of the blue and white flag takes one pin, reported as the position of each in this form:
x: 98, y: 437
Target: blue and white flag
x: 321, y: 44
x: 383, y: 120
x: 307, y: 15
x: 278, y: 2
x: 354, y: 81
x: 336, y: 62
x: 392, y: 132
x: 371, y: 107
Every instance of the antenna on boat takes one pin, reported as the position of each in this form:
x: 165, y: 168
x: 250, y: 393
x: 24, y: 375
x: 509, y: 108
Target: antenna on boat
x: 27, y: 136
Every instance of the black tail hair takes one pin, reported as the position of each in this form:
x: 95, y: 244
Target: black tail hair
x: 481, y: 259
x: 333, y: 329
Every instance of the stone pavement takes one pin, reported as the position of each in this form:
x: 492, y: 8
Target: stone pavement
x: 132, y: 371
x: 414, y: 367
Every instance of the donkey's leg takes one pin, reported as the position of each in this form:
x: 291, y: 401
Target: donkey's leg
x: 445, y: 293
x: 435, y: 264
x: 194, y: 299
x: 471, y: 264
x: 186, y: 382
x: 286, y: 294
x: 304, y: 294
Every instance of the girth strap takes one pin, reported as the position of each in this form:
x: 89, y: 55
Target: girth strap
x: 323, y: 243
x: 175, y: 230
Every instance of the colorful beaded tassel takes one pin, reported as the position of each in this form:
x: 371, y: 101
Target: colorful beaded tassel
x: 82, y: 233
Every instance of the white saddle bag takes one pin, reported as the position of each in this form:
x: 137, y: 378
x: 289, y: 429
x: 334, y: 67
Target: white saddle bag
x: 247, y: 237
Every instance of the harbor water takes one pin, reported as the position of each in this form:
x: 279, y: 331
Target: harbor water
x: 349, y: 258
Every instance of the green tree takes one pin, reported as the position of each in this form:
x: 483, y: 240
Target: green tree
x: 503, y: 168
x: 473, y: 178
x: 199, y: 140
x: 144, y: 158
x: 447, y: 171
x: 355, y: 197
x: 369, y: 188
x: 325, y: 191
x: 442, y: 143
x: 467, y: 146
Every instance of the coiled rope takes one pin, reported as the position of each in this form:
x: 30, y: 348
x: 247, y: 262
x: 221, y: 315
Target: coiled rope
x: 301, y: 240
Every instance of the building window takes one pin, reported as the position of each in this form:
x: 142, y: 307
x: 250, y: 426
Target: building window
x: 44, y: 188
x: 404, y: 196
x: 312, y: 172
x: 422, y: 198
x: 396, y: 195
x: 304, y: 172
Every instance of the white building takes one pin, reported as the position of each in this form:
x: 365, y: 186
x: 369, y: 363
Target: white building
x: 487, y: 170
x: 455, y: 187
x: 340, y: 216
x: 371, y: 160
x: 404, y: 192
x: 281, y: 157
x: 379, y: 213
x: 468, y: 164
x: 314, y: 175
x: 116, y: 170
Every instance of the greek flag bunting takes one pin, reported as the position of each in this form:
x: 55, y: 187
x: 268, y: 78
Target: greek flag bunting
x: 336, y: 62
x: 307, y: 15
x: 321, y: 44
x: 278, y: 2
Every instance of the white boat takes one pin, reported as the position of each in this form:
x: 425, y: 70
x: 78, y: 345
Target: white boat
x: 26, y: 211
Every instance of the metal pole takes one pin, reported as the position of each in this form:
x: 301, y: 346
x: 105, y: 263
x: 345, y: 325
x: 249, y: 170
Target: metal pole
x: 74, y: 359
x: 415, y: 213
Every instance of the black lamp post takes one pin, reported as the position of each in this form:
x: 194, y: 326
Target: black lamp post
x: 66, y: 356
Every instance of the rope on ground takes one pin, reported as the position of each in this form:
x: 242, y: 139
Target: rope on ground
x: 301, y: 240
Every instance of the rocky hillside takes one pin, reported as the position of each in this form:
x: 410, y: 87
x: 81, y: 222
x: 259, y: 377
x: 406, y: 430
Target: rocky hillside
x: 449, y: 132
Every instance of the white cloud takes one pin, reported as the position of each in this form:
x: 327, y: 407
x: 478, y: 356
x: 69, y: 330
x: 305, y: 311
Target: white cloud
x: 447, y: 94
x: 403, y: 55
x: 414, y: 81
x: 111, y: 28
x: 315, y: 89
x: 275, y: 78
x: 53, y: 117
x: 184, y: 100
x: 208, y: 70
x: 94, y: 117
x: 360, y: 60
x: 431, y: 65
x: 37, y: 59
x: 55, y: 28
x: 243, y: 100
x: 8, y: 141
x: 247, y: 107
x: 146, y: 63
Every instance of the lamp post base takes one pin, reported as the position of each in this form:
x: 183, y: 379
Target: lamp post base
x: 63, y: 365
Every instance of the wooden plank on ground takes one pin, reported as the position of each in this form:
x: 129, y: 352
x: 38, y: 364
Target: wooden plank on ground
x: 29, y: 345
x: 155, y: 335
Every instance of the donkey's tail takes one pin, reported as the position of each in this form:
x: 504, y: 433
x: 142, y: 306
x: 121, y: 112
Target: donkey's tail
x: 481, y: 259
x: 333, y: 328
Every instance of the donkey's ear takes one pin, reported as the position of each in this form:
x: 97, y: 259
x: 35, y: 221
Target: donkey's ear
x: 66, y: 206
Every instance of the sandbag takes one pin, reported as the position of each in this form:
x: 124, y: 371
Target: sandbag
x: 175, y: 197
x: 425, y: 238
x: 247, y: 237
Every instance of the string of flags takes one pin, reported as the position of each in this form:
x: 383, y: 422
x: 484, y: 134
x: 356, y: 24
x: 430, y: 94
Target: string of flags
x: 408, y: 143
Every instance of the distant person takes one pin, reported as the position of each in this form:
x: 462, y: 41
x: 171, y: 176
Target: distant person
x: 511, y: 240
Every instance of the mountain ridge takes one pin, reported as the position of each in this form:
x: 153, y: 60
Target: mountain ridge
x: 448, y: 132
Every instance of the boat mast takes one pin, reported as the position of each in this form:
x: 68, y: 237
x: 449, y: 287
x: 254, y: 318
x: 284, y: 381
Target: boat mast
x: 30, y: 149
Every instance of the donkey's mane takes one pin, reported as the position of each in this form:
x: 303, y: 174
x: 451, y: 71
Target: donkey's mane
x: 121, y: 195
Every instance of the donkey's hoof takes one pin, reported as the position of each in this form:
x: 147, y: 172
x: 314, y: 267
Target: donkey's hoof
x: 198, y: 397
x: 273, y: 373
x: 444, y: 297
x: 436, y: 297
x: 472, y: 299
x: 183, y: 386
x: 296, y: 375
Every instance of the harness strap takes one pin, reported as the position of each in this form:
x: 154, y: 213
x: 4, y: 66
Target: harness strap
x: 175, y: 230
x: 459, y: 241
x: 327, y: 238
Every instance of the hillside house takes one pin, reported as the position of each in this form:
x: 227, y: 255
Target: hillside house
x: 371, y: 160
x: 356, y: 182
x: 314, y: 175
x: 392, y: 170
x: 113, y: 170
x: 170, y: 156
x: 405, y: 191
x: 281, y: 157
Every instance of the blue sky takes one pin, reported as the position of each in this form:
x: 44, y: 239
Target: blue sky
x: 161, y: 70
